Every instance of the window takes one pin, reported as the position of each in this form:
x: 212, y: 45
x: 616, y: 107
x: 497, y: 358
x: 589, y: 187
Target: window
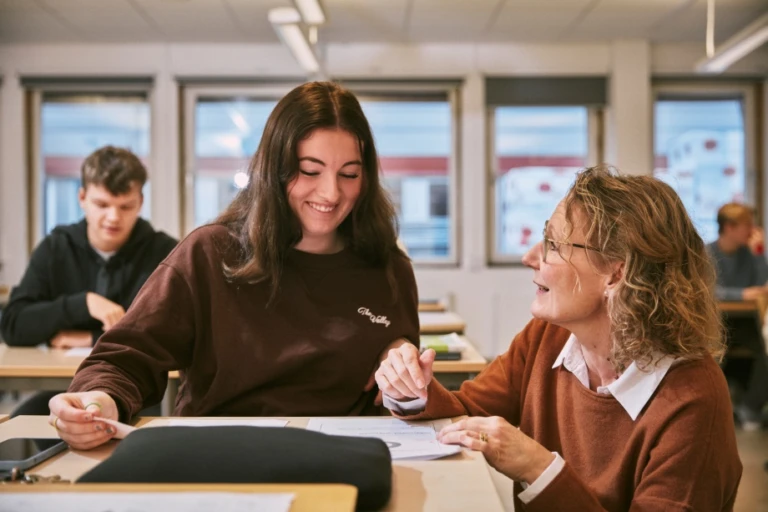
x: 542, y: 130
x: 414, y: 140
x: 70, y: 127
x: 537, y: 151
x: 701, y: 150
x: 414, y: 137
x: 227, y: 131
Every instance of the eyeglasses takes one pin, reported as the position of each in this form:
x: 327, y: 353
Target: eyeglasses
x: 552, y: 245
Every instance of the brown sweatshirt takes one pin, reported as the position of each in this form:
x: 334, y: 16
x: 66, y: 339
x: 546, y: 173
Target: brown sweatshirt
x: 309, y: 353
x: 678, y: 455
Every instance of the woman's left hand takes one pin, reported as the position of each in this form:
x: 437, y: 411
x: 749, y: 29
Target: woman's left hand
x: 505, y: 448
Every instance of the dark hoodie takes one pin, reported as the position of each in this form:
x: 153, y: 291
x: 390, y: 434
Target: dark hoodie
x: 64, y: 268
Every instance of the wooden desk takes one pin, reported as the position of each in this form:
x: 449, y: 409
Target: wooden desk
x: 452, y: 374
x: 32, y: 368
x: 431, y: 306
x: 432, y: 322
x: 45, y: 369
x: 308, y: 497
x: 458, y: 483
x: 471, y: 362
x: 745, y: 308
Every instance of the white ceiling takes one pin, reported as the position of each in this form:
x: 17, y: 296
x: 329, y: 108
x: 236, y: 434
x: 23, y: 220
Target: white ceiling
x: 387, y: 21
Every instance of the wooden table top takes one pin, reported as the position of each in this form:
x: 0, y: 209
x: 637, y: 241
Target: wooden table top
x: 431, y: 306
x: 457, y: 483
x: 742, y: 306
x: 34, y: 362
x: 307, y: 497
x: 434, y: 322
x: 471, y: 361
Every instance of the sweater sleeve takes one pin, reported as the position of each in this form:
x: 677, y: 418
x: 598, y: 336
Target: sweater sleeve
x: 496, y: 391
x: 761, y: 269
x: 131, y: 361
x: 692, y: 465
x: 34, y: 314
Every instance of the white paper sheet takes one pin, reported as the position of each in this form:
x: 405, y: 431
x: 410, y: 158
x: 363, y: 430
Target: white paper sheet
x: 405, y: 440
x: 78, y: 352
x: 216, y: 422
x: 121, y: 429
x: 145, y: 501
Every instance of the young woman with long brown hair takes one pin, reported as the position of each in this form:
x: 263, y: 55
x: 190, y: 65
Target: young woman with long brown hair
x: 283, y: 306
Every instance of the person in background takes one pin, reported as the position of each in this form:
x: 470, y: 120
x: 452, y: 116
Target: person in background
x: 610, y: 398
x: 742, y: 274
x: 283, y: 306
x: 82, y: 277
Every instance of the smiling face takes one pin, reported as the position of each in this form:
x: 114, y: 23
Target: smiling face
x: 570, y: 289
x: 110, y: 218
x: 326, y: 188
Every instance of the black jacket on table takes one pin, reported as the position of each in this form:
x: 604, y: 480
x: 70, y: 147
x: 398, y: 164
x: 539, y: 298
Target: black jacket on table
x: 64, y: 268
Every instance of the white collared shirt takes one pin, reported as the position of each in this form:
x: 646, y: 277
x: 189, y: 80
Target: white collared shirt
x: 633, y: 389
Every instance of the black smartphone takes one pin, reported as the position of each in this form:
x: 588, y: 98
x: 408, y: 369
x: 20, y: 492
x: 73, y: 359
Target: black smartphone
x: 24, y: 452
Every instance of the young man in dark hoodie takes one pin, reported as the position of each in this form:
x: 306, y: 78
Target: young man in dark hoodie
x: 82, y: 277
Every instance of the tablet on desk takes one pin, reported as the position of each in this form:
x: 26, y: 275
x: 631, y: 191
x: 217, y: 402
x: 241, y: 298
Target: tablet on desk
x: 23, y: 453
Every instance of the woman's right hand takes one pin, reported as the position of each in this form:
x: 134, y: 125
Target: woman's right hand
x: 404, y: 374
x: 72, y: 415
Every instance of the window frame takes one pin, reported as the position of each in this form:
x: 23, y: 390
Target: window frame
x: 187, y: 169
x: 73, y: 91
x: 425, y: 93
x: 595, y: 148
x: 714, y: 90
x: 364, y: 91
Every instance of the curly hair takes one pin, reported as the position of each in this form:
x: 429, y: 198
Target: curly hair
x: 664, y: 302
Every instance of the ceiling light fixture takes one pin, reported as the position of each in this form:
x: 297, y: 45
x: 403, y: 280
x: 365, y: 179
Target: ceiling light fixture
x: 286, y: 22
x: 710, y: 43
x: 737, y: 47
x: 311, y: 11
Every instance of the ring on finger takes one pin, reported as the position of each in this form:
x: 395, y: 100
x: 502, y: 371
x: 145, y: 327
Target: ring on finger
x: 483, y: 437
x: 97, y: 404
x: 55, y: 423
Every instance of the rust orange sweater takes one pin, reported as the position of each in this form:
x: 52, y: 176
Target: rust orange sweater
x: 679, y: 455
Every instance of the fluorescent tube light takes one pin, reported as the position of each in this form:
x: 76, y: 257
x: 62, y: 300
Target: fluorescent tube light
x: 737, y: 47
x: 285, y: 21
x: 311, y: 11
x: 283, y: 15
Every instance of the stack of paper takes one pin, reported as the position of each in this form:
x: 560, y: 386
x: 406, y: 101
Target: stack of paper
x: 405, y: 440
x: 447, y: 346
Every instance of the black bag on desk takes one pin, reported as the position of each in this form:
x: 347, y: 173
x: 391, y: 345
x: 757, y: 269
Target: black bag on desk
x: 250, y: 455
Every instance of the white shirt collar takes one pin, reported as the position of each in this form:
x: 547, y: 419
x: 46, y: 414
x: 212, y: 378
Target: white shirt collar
x: 633, y: 389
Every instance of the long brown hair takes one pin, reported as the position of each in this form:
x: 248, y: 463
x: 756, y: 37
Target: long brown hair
x: 260, y: 218
x: 664, y: 302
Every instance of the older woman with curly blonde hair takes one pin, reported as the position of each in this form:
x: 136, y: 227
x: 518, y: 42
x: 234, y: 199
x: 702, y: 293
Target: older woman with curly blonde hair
x: 611, y: 398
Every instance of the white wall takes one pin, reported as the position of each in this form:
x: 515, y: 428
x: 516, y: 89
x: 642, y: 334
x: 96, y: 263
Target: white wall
x: 494, y: 301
